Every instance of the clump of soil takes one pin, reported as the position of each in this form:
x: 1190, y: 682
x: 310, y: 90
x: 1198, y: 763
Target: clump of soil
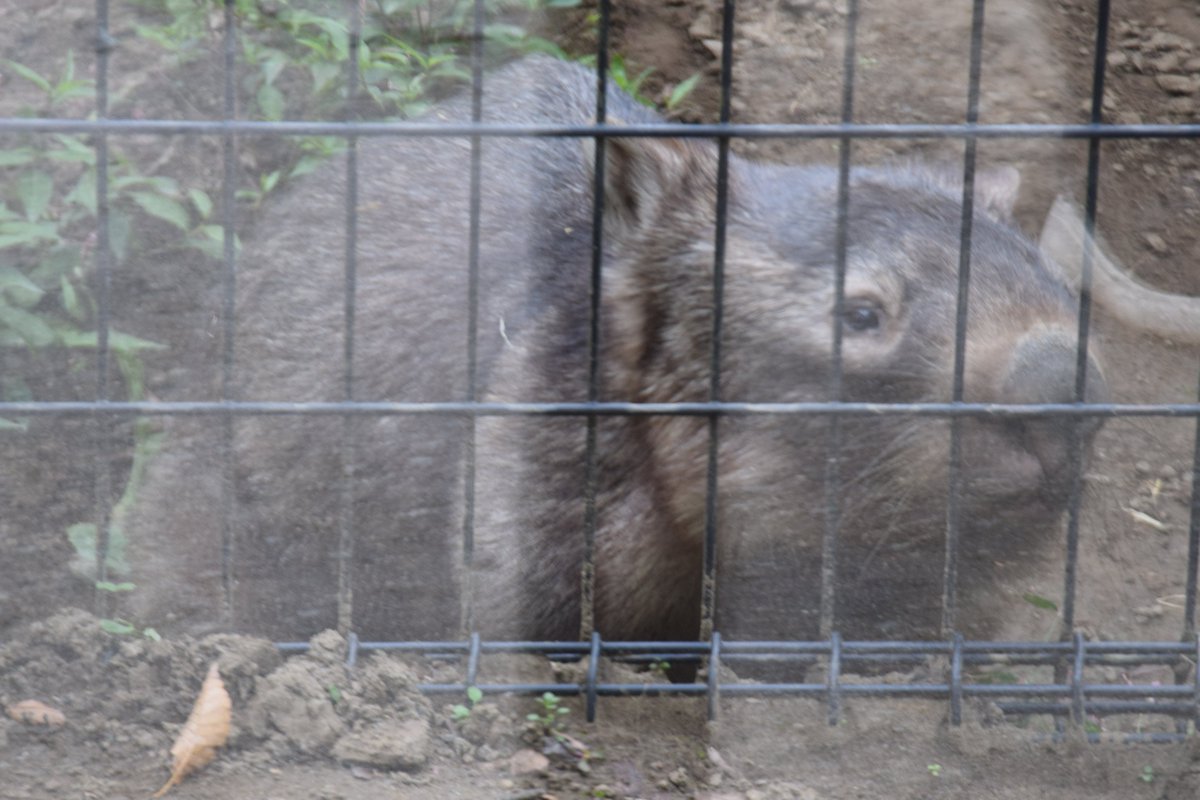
x: 125, y: 698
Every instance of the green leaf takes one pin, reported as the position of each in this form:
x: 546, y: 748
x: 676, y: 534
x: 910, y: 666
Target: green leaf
x: 34, y: 189
x: 167, y: 209
x: 109, y: 586
x: 27, y: 234
x: 682, y: 90
x: 30, y: 327
x: 82, y: 536
x: 201, y: 201
x: 1039, y: 602
x: 17, y: 157
x: 270, y: 102
x: 210, y: 240
x: 73, y: 143
x: 272, y: 65
x: 72, y: 89
x: 116, y: 341
x: 84, y: 193
x: 117, y: 626
x: 29, y: 75
x: 474, y: 694
x: 119, y: 228
x: 151, y: 634
x: 56, y: 262
x: 12, y: 425
x: 72, y: 156
x: 18, y: 287
x: 70, y: 300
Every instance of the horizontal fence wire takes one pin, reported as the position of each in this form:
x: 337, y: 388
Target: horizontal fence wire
x: 580, y: 409
x: 1077, y: 696
x: 735, y: 130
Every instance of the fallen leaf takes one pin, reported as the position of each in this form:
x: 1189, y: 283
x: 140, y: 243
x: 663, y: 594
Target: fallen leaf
x: 206, y: 729
x: 35, y: 712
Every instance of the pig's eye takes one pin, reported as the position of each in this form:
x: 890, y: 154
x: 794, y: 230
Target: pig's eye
x: 861, y: 317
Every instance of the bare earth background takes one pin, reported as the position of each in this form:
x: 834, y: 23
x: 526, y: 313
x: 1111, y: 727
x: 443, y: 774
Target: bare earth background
x: 125, y: 698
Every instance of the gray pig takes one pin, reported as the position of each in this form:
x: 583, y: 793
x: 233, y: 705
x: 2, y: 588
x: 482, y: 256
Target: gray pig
x: 404, y: 561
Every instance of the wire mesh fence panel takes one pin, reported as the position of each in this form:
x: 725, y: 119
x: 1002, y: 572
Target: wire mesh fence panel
x: 513, y: 363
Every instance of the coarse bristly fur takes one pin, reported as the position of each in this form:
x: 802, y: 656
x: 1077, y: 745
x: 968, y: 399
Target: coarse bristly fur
x: 527, y: 541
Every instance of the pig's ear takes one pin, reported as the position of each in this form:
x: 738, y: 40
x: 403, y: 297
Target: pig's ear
x: 647, y: 176
x: 996, y: 190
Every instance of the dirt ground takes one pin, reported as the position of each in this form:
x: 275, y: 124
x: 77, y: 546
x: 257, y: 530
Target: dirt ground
x: 306, y: 727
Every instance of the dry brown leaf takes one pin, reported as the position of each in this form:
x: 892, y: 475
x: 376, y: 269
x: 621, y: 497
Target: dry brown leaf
x: 35, y: 712
x: 206, y: 729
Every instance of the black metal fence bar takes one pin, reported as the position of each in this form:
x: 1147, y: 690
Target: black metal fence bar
x: 102, y: 478
x: 587, y: 576
x: 487, y: 409
x: 1079, y: 697
x: 708, y: 578
x: 735, y: 130
x: 962, y: 304
x: 833, y: 438
x: 472, y: 343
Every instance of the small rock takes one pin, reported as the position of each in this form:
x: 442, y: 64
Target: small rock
x: 1161, y: 40
x: 680, y: 778
x: 702, y: 27
x: 1183, y: 105
x: 1156, y: 243
x: 1178, y: 84
x: 387, y: 744
x: 1169, y: 62
x: 1149, y: 612
x: 1168, y: 472
x: 526, y: 761
x: 713, y: 46
x: 1117, y: 59
x: 1142, y: 467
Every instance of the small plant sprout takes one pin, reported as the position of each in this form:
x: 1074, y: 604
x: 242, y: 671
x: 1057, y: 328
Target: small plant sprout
x: 1147, y: 774
x: 335, y: 693
x: 461, y: 711
x: 934, y: 769
x: 549, y: 716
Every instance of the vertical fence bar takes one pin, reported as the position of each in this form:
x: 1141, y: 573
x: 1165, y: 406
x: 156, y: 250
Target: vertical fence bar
x: 833, y: 470
x: 346, y: 534
x: 1193, y: 561
x: 228, y: 309
x: 1193, y: 564
x: 102, y: 485
x: 587, y: 577
x: 468, y: 532
x: 954, y: 490
x: 708, y: 592
x: 1085, y: 310
x: 1075, y: 444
